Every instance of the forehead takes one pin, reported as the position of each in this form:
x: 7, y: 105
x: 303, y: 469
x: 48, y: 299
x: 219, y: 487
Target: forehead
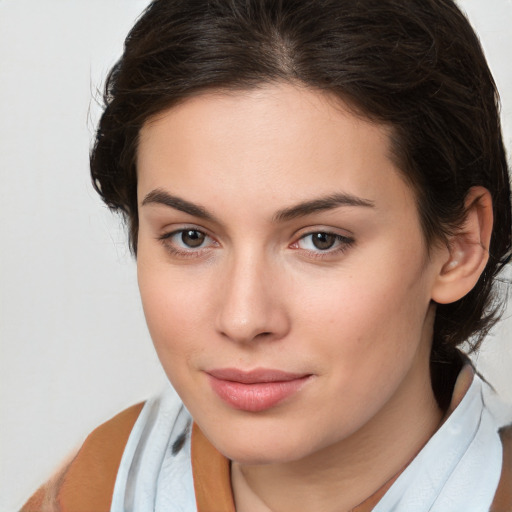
x: 283, y: 142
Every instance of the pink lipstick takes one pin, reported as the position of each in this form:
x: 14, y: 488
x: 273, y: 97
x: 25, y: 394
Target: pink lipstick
x: 255, y: 390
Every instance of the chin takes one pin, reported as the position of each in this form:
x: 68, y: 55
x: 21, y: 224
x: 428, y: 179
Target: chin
x: 261, y: 455
x: 258, y: 446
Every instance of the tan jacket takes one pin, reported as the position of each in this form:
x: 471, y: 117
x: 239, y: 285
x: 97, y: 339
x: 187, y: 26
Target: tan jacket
x: 86, y: 484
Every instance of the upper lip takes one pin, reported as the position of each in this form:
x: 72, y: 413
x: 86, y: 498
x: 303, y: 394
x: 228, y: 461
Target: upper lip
x: 256, y: 376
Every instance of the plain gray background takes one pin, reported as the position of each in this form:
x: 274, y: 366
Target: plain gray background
x: 73, y: 345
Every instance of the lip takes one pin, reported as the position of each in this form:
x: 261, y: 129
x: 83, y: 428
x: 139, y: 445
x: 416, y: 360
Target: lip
x: 256, y: 390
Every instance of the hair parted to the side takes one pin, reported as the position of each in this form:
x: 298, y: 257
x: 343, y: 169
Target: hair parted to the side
x: 413, y: 65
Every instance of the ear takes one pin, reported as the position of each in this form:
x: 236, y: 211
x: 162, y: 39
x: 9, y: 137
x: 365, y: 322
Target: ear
x: 468, y: 249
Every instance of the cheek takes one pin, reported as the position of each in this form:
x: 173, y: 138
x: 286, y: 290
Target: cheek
x: 174, y: 309
x: 365, y: 302
x: 365, y: 340
x: 367, y: 322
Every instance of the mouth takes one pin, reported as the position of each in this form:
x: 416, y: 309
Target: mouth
x: 256, y: 390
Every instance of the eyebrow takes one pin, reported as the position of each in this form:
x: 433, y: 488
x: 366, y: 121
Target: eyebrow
x: 159, y: 196
x: 330, y: 202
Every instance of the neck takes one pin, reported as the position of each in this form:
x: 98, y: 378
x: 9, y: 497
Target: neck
x: 354, y: 473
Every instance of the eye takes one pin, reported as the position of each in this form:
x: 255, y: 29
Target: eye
x: 323, y: 241
x: 190, y: 238
x: 187, y: 241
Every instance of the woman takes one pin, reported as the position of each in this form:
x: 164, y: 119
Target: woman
x: 318, y: 198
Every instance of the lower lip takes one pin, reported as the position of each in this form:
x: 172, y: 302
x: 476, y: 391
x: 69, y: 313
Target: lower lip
x: 256, y: 397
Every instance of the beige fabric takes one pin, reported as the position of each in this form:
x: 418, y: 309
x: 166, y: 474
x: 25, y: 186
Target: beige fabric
x: 211, y: 470
x: 86, y: 484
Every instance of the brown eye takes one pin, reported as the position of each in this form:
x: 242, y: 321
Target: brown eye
x: 188, y: 243
x: 323, y: 241
x: 192, y: 238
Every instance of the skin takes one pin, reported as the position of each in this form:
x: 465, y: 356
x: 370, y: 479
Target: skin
x: 257, y: 293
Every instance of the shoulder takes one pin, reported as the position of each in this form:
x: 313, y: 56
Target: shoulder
x: 87, y: 481
x: 503, y: 498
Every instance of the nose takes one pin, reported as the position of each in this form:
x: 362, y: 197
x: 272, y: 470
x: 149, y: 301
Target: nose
x: 251, y: 304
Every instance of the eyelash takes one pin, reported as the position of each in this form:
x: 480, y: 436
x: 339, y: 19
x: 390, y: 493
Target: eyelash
x: 341, y: 244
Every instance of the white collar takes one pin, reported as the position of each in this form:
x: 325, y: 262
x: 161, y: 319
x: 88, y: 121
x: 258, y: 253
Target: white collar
x: 458, y: 470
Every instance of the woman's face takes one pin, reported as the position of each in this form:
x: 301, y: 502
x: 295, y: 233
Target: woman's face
x: 283, y: 270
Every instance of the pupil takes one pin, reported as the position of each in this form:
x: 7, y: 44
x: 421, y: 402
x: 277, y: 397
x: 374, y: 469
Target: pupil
x: 192, y: 238
x: 323, y: 241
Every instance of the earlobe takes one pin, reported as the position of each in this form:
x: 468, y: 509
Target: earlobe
x: 468, y: 250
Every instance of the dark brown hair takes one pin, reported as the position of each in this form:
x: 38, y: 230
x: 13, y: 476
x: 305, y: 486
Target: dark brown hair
x: 414, y: 65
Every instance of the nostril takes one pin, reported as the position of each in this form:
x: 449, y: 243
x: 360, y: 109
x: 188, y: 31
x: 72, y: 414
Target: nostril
x: 264, y: 336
